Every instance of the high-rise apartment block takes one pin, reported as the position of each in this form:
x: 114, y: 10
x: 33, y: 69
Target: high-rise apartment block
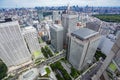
x: 56, y: 32
x: 30, y: 35
x: 13, y: 49
x: 82, y: 47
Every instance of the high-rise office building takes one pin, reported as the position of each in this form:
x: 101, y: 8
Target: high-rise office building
x: 56, y: 16
x: 40, y: 15
x: 82, y: 46
x: 69, y: 23
x: 56, y: 32
x: 114, y: 54
x: 30, y: 35
x: 13, y: 49
x: 94, y: 26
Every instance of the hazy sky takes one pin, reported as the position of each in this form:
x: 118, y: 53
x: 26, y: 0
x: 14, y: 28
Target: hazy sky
x: 33, y: 3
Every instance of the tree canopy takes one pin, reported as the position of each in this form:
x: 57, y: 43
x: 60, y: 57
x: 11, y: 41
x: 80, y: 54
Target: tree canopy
x: 3, y: 69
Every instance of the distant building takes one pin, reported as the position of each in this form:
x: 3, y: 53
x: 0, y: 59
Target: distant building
x: 93, y: 25
x: 69, y: 23
x: 82, y: 47
x: 13, y: 49
x: 56, y: 33
x: 30, y: 35
x: 56, y: 16
x: 40, y: 16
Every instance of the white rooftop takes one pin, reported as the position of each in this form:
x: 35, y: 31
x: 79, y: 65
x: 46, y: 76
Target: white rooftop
x: 57, y: 27
x: 30, y: 74
x: 84, y: 33
x: 43, y: 71
x: 70, y: 15
x: 29, y: 29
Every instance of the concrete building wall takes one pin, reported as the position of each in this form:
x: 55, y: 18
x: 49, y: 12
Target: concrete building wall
x: 69, y: 23
x: 56, y: 33
x: 72, y: 22
x: 105, y: 45
x: 81, y: 52
x: 30, y: 35
x: 60, y: 40
x: 93, y: 25
x: 13, y: 49
x: 92, y: 47
x: 75, y: 53
x: 56, y: 16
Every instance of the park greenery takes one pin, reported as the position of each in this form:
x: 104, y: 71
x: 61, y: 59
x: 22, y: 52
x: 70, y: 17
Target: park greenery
x: 47, y: 14
x: 40, y: 40
x: 61, y: 73
x: 47, y: 70
x: 74, y: 73
x: 59, y: 77
x: 112, y: 66
x: 3, y: 69
x: 99, y: 54
x: 46, y: 52
x: 108, y: 17
x: 36, y: 54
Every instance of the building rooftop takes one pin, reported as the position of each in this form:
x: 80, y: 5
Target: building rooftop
x: 84, y: 33
x: 7, y: 24
x: 69, y: 15
x: 57, y: 27
x: 29, y: 75
x: 28, y: 29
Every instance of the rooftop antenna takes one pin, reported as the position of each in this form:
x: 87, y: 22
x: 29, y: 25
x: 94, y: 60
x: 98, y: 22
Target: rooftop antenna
x: 68, y: 8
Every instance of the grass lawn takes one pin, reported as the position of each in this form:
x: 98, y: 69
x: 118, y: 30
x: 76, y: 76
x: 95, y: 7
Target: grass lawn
x: 112, y: 66
x: 47, y: 70
x: 36, y: 54
x: 40, y: 40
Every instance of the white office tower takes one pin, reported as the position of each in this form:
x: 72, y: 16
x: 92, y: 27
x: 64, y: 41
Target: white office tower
x: 69, y: 23
x: 13, y: 49
x: 82, y: 47
x: 93, y: 25
x: 30, y: 35
x: 56, y: 16
x: 56, y: 32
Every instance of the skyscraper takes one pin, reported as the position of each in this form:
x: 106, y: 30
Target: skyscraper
x: 114, y: 54
x: 69, y: 23
x: 13, y: 49
x: 56, y: 16
x: 82, y: 47
x: 30, y: 35
x: 56, y: 32
x: 94, y: 26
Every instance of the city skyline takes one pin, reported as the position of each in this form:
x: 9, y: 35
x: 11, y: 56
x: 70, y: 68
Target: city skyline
x: 34, y: 3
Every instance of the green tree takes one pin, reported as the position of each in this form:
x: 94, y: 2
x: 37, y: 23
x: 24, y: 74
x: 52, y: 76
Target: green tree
x: 74, y: 73
x: 3, y: 70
